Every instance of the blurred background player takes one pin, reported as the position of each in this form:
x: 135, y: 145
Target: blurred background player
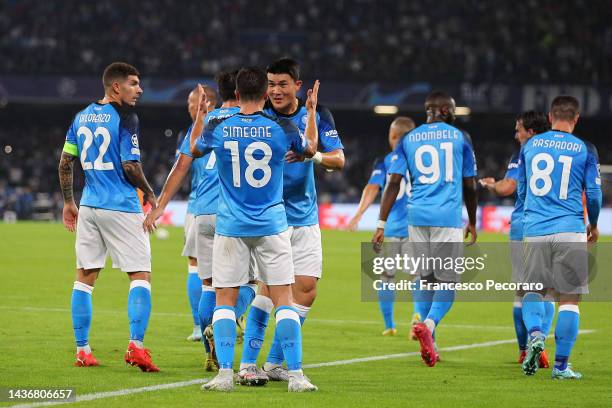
x: 105, y: 138
x: 194, y: 283
x: 555, y: 168
x: 527, y: 124
x: 440, y: 161
x: 251, y: 223
x: 397, y: 224
x: 300, y: 197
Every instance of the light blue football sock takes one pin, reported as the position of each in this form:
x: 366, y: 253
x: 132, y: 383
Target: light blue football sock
x: 519, y: 325
x: 194, y: 291
x: 206, y: 309
x: 275, y: 355
x: 289, y: 332
x: 386, y: 300
x: 139, y: 308
x: 224, y: 329
x: 549, y: 315
x: 81, y: 306
x: 441, y: 303
x: 246, y: 294
x: 533, y: 313
x: 422, y: 302
x: 257, y: 321
x: 566, y: 333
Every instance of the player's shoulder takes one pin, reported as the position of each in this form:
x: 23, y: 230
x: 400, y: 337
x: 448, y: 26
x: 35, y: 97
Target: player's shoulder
x: 285, y: 124
x: 325, y: 114
x: 128, y: 118
x: 590, y: 148
x: 515, y: 157
x: 466, y: 135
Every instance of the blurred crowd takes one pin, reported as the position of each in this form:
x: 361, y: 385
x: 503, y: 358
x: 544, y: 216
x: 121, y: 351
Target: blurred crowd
x: 386, y: 40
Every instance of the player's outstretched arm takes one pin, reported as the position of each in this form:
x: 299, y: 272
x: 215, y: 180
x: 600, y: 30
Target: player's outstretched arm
x: 388, y: 199
x: 171, y: 186
x: 312, y: 132
x: 333, y: 160
x: 367, y: 198
x: 470, y: 196
x: 135, y: 175
x: 198, y: 123
x: 70, y: 212
x: 501, y: 188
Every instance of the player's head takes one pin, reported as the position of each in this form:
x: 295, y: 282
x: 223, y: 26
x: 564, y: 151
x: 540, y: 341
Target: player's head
x: 226, y: 84
x: 283, y: 82
x: 121, y: 83
x: 399, y: 127
x: 530, y: 123
x: 440, y: 106
x: 193, y: 98
x: 251, y: 85
x: 564, y: 108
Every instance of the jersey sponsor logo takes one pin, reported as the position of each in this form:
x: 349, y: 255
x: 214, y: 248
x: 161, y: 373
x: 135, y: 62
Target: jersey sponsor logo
x: 135, y: 140
x: 135, y: 151
x: 513, y: 166
x: 331, y: 133
x: 375, y: 172
x: 94, y: 117
x: 394, y: 158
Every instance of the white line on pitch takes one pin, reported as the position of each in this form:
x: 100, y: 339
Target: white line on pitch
x: 180, y: 384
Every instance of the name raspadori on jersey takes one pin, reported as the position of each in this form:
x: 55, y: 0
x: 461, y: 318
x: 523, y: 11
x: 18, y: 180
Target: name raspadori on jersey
x: 558, y: 144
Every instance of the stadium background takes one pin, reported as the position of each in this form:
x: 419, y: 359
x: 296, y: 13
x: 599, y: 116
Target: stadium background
x: 368, y: 54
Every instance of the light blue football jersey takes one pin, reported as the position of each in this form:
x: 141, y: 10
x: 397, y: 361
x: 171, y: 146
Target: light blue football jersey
x: 516, y: 219
x: 105, y: 135
x: 204, y: 195
x: 437, y: 156
x: 299, y: 191
x: 250, y: 152
x: 397, y: 222
x: 554, y: 169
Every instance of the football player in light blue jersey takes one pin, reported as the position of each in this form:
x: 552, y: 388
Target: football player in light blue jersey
x: 441, y: 165
x: 555, y: 168
x: 206, y: 195
x: 251, y: 223
x: 104, y: 136
x: 397, y: 224
x: 300, y: 197
x: 527, y: 124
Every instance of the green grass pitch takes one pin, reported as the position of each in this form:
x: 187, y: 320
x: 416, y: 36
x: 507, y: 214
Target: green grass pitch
x: 37, y: 346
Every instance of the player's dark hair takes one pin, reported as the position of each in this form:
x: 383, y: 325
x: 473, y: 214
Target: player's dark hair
x: 226, y: 84
x: 285, y: 66
x: 117, y: 70
x: 251, y: 83
x: 565, y: 107
x: 535, y: 121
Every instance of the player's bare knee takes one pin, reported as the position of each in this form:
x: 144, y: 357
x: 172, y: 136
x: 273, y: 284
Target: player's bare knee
x: 193, y: 261
x: 140, y: 276
x: 227, y: 296
x: 87, y: 276
x: 207, y: 281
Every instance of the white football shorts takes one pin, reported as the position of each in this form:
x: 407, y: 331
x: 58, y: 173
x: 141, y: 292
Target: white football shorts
x: 437, y: 242
x: 189, y: 249
x: 204, y: 228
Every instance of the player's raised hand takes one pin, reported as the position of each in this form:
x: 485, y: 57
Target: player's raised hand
x: 312, y: 97
x: 149, y: 224
x: 377, y: 239
x: 592, y: 234
x: 70, y: 215
x: 203, y: 102
x: 470, y: 230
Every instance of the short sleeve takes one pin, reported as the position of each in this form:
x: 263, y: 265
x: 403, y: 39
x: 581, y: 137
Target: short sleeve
x: 522, y: 177
x: 512, y: 170
x: 205, y: 142
x: 185, y: 145
x: 297, y: 141
x: 129, y: 132
x: 378, y: 174
x: 400, y: 164
x: 592, y: 176
x: 70, y: 145
x: 469, y: 159
x: 329, y: 139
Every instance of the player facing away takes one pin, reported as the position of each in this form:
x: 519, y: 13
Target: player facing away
x: 555, y: 168
x: 194, y: 282
x: 397, y: 224
x: 440, y: 162
x: 527, y: 124
x: 300, y: 197
x: 205, y: 208
x: 104, y: 136
x: 251, y: 221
